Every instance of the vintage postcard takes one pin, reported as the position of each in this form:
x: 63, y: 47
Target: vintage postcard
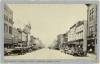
x: 50, y: 31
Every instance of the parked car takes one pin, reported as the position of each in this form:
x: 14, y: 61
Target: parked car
x: 7, y: 51
x: 79, y: 52
x: 66, y: 50
x: 69, y: 52
x: 19, y: 50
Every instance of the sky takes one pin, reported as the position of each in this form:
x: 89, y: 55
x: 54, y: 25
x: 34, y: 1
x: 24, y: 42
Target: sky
x: 48, y: 20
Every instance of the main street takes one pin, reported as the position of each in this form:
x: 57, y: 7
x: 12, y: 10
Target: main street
x: 48, y: 54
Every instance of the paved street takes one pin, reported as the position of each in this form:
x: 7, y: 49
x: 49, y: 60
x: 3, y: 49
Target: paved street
x: 48, y: 54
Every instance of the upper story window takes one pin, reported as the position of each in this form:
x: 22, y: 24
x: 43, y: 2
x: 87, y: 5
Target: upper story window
x: 91, y: 31
x: 10, y: 29
x: 92, y: 10
x: 5, y: 28
x: 10, y: 20
x: 91, y: 16
x: 5, y: 18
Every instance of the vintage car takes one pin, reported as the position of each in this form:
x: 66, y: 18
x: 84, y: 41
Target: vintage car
x: 7, y: 51
x: 68, y: 51
x: 79, y: 52
x: 19, y: 50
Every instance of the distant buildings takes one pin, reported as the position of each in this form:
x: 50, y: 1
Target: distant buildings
x: 65, y: 40
x: 53, y: 45
x: 33, y: 43
x: 60, y: 41
x: 8, y: 27
x: 38, y: 44
x: 92, y: 27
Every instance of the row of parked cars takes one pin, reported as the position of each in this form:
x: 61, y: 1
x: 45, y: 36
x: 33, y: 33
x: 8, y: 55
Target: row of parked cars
x: 19, y: 50
x: 75, y: 51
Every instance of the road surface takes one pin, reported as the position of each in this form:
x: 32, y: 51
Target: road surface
x: 48, y: 54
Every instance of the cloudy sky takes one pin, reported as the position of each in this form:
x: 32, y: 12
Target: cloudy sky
x: 48, y: 20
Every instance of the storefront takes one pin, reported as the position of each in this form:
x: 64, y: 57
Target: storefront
x: 91, y: 45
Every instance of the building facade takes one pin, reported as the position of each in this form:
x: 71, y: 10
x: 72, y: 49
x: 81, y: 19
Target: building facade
x: 33, y: 43
x: 24, y: 38
x: 60, y: 41
x: 77, y: 35
x: 71, y: 33
x: 27, y: 29
x: 8, y: 27
x: 15, y: 37
x: 19, y: 37
x: 64, y: 40
x: 81, y: 34
x: 92, y: 27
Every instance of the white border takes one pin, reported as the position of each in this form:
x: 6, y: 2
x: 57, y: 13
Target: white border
x: 46, y: 2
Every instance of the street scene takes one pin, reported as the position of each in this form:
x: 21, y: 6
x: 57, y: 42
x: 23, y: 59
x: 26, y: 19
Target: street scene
x: 50, y: 31
x: 49, y: 54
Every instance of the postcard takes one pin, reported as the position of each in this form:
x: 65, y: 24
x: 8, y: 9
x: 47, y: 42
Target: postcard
x: 37, y: 31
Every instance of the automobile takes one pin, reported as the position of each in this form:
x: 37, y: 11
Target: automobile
x: 7, y: 51
x: 68, y: 51
x: 78, y: 52
x: 19, y: 50
x: 65, y: 50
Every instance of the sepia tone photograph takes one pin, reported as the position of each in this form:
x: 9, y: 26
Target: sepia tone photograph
x: 50, y: 31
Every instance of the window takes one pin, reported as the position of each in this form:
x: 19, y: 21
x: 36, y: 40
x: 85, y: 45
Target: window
x: 5, y: 18
x: 5, y: 28
x: 91, y: 31
x: 10, y: 20
x: 90, y: 18
x: 10, y: 30
x: 92, y: 10
x: 92, y: 13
